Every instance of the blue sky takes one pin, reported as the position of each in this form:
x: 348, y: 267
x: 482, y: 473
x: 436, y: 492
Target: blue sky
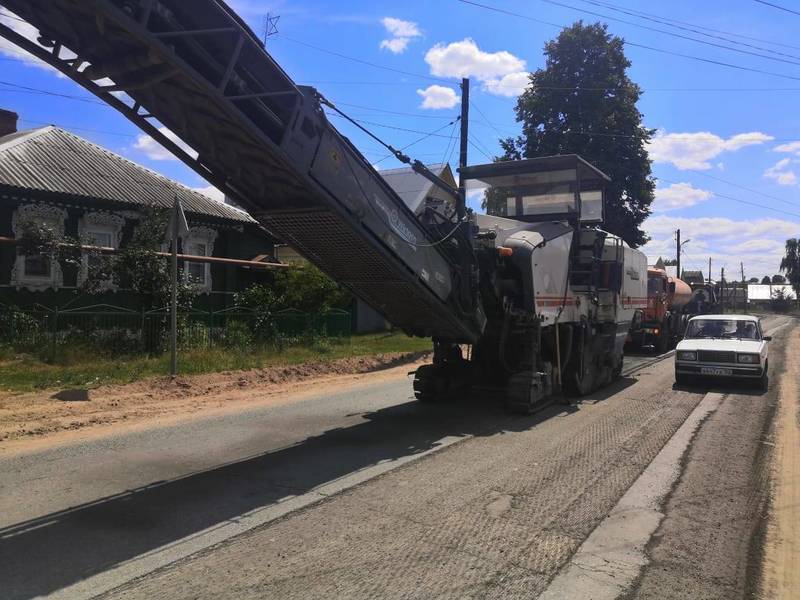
x: 727, y: 155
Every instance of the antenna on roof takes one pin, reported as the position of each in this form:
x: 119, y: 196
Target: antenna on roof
x: 270, y: 26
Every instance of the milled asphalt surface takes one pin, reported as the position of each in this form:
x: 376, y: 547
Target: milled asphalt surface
x: 493, y: 516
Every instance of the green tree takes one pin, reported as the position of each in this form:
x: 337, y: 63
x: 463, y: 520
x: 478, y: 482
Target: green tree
x: 778, y: 279
x: 766, y: 280
x: 790, y: 264
x: 583, y: 102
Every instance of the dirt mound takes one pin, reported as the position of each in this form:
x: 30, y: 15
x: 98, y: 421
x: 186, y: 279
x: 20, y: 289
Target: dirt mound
x: 34, y: 415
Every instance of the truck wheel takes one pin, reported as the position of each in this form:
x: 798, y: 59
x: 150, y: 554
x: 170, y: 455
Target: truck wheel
x: 429, y: 386
x: 664, y: 340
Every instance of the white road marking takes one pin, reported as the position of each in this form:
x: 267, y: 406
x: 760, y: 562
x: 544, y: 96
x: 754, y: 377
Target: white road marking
x: 611, y: 558
x: 165, y: 555
x: 170, y: 553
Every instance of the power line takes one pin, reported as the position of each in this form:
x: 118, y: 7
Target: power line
x: 424, y: 137
x: 637, y: 45
x: 789, y: 10
x: 77, y: 128
x: 362, y: 61
x: 28, y: 89
x: 673, y: 34
x: 474, y: 145
x: 745, y: 188
x: 684, y: 27
x: 739, y: 200
x: 643, y: 14
x: 393, y: 112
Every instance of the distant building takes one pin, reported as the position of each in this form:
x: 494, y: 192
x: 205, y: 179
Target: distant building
x: 761, y: 295
x: 51, y: 176
x: 420, y: 193
x: 693, y: 277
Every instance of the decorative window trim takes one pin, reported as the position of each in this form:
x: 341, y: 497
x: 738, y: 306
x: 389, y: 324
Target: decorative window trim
x: 37, y: 212
x: 201, y: 235
x: 99, y: 221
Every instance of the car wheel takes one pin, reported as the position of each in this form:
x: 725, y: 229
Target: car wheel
x: 763, y: 382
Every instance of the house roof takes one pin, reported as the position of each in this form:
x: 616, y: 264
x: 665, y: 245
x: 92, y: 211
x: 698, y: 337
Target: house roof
x: 49, y: 159
x: 412, y: 187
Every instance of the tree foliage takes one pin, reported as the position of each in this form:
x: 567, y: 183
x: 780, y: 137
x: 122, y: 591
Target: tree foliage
x: 766, y: 280
x: 304, y: 288
x: 790, y: 264
x: 583, y: 102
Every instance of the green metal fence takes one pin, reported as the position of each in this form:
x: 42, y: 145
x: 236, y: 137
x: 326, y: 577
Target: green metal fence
x: 119, y: 330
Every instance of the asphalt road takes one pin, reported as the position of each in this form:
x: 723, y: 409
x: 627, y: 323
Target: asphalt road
x: 374, y: 495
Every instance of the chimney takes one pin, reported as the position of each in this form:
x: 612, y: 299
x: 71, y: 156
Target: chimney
x: 8, y: 122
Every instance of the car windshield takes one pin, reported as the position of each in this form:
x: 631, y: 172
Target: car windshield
x: 722, y: 329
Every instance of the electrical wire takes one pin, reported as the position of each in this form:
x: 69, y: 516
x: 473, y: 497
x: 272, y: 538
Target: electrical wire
x: 739, y: 200
x: 637, y: 45
x: 783, y: 8
x: 360, y: 60
x: 691, y: 27
x: 424, y: 137
x: 676, y: 35
x: 382, y: 220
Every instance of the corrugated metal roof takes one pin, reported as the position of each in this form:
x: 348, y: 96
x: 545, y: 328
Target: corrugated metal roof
x: 50, y: 159
x: 412, y: 187
x: 764, y: 292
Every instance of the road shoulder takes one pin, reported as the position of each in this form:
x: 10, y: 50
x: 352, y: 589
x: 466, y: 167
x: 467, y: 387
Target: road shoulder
x: 710, y: 541
x: 781, y: 576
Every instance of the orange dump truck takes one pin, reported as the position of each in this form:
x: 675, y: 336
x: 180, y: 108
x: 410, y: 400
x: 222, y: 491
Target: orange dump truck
x: 664, y: 320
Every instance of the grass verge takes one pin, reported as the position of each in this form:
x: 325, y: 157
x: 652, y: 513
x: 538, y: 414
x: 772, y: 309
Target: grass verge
x: 81, y: 368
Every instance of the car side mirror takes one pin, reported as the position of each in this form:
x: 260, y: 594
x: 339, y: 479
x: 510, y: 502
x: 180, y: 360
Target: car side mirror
x: 671, y: 287
x: 767, y: 338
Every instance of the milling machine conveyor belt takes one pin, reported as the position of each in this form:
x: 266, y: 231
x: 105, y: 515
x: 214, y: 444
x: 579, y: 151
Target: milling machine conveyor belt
x: 197, y: 70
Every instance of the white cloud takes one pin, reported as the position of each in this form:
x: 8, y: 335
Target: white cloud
x: 212, y: 192
x: 155, y: 151
x: 791, y: 147
x: 695, y: 150
x: 758, y: 243
x: 401, y: 32
x: 438, y: 96
x: 27, y: 31
x: 510, y: 85
x: 679, y: 195
x: 781, y: 173
x: 501, y: 72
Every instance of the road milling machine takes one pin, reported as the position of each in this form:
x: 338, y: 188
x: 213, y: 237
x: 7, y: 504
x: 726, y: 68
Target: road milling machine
x: 541, y: 296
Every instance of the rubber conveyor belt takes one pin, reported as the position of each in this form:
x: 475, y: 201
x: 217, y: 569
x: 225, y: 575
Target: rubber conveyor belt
x: 198, y: 70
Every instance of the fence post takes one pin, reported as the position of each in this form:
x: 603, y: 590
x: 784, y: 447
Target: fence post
x: 210, y: 334
x: 54, y: 340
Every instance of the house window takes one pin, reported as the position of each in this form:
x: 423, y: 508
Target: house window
x: 196, y: 271
x: 199, y: 242
x: 37, y: 272
x: 103, y: 230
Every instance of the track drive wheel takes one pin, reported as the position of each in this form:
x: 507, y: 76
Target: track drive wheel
x: 526, y: 393
x: 429, y: 386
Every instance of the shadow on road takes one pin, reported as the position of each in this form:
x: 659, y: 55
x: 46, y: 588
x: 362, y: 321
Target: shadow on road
x: 49, y: 553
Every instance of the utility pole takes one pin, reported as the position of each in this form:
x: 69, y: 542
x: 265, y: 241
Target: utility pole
x: 461, y: 208
x: 722, y: 289
x: 709, y: 270
x: 270, y: 26
x: 678, y: 252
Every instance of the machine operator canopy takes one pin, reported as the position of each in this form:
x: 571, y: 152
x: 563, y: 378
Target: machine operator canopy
x: 551, y: 188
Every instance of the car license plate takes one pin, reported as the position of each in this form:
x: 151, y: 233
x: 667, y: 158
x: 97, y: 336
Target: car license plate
x: 715, y: 371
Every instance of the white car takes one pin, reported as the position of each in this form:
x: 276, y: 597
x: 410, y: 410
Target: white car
x: 723, y: 347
